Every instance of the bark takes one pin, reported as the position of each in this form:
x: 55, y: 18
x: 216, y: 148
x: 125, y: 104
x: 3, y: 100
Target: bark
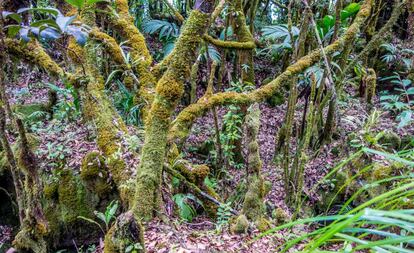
x: 183, y: 122
x: 169, y: 90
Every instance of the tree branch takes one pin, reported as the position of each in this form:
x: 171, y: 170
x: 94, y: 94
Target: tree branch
x: 182, y: 124
x: 111, y: 46
x: 35, y: 54
x: 248, y: 45
x: 177, y: 15
x: 140, y: 54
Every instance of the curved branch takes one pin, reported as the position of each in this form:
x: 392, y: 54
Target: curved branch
x: 219, y: 8
x: 140, y: 54
x: 159, y: 68
x: 110, y: 44
x: 230, y: 44
x: 177, y: 15
x: 378, y: 37
x: 34, y: 53
x: 181, y: 126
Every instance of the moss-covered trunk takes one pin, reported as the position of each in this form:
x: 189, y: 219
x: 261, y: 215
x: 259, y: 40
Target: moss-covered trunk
x: 168, y: 93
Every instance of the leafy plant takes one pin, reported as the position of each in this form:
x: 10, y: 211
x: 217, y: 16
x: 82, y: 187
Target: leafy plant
x: 282, y: 38
x: 105, y: 217
x: 185, y: 205
x: 109, y: 214
x: 212, y: 52
x: 57, y: 152
x: 81, y: 3
x: 124, y: 102
x: 399, y: 103
x: 325, y: 24
x: 51, y: 28
x: 133, y: 248
x: 378, y: 224
x: 232, y: 132
x: 69, y: 107
x: 167, y: 32
x: 397, y: 56
x: 223, y: 215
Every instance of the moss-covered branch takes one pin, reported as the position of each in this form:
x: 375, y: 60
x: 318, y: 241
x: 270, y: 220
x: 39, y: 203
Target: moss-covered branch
x: 111, y: 46
x: 177, y: 15
x: 35, y: 54
x: 230, y: 44
x: 184, y: 121
x: 253, y: 205
x: 378, y: 37
x: 194, y: 187
x: 168, y: 93
x: 124, y: 24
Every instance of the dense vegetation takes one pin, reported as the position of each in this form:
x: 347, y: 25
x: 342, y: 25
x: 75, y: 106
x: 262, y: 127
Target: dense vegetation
x: 206, y: 126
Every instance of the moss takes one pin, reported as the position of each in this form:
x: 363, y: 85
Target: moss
x: 168, y: 93
x: 263, y: 224
x: 93, y: 163
x: 280, y: 216
x: 200, y: 172
x: 50, y: 190
x: 110, y: 45
x: 24, y: 241
x: 253, y: 206
x: 381, y: 171
x: 390, y: 140
x: 72, y: 198
x: 277, y: 99
x: 95, y: 174
x: 186, y: 117
x: 371, y: 83
x: 240, y: 225
x: 129, y: 82
x: 75, y: 52
x: 26, y: 111
x: 125, y: 232
x: 110, y: 127
x: 34, y: 53
x: 230, y: 44
x: 193, y: 78
x: 140, y: 54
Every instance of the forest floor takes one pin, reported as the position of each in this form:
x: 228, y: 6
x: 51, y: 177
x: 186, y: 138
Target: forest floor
x: 201, y: 235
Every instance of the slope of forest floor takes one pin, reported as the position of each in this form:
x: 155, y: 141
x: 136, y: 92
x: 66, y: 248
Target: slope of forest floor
x: 75, y: 139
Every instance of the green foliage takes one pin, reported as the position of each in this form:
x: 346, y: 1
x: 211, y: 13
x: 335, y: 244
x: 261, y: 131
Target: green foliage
x: 356, y: 230
x: 223, y: 215
x: 397, y: 56
x: 210, y: 182
x: 138, y: 10
x: 50, y: 28
x: 326, y: 24
x: 106, y: 217
x: 280, y: 38
x: 399, y: 103
x: 185, y: 203
x: 379, y: 224
x: 109, y: 214
x: 212, y: 53
x: 232, y: 132
x: 57, y: 153
x: 67, y: 108
x: 167, y: 32
x: 133, y: 248
x: 81, y: 3
x: 124, y: 103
